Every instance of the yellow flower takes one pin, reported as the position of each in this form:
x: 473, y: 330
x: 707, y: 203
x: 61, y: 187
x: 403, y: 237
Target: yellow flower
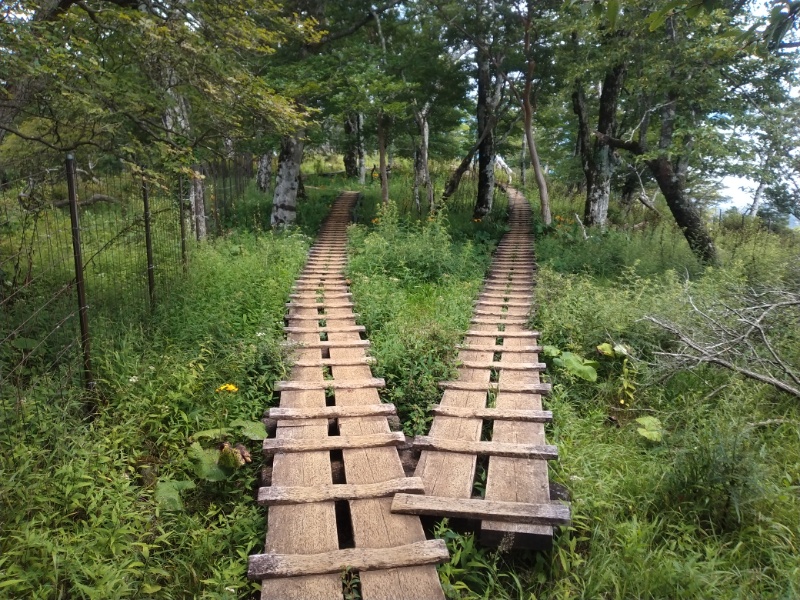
x: 622, y: 401
x: 376, y: 220
x: 227, y: 387
x: 476, y: 220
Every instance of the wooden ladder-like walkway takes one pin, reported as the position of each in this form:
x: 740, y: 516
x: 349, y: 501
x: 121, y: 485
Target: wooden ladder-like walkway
x: 335, y: 461
x: 494, y: 411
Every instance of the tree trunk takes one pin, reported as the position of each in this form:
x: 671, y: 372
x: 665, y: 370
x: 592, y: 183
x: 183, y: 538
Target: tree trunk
x: 264, y: 176
x: 522, y: 173
x: 486, y: 149
x: 541, y: 182
x: 362, y: 162
x: 284, y: 203
x: 688, y: 218
x: 422, y: 177
x: 382, y: 156
x: 197, y: 203
x: 455, y: 177
x: 753, y: 210
x: 417, y: 177
x: 351, y: 145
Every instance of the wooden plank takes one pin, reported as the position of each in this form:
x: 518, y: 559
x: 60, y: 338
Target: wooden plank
x: 521, y: 388
x: 498, y: 320
x: 332, y: 412
x: 501, y: 303
x: 539, y: 452
x: 313, y: 295
x: 325, y: 329
x: 334, y: 442
x: 323, y: 304
x: 267, y: 566
x: 288, y: 317
x: 493, y: 414
x: 495, y: 348
x: 334, y: 362
x: 503, y: 334
x: 325, y: 384
x: 328, y: 344
x: 280, y: 495
x: 465, y: 508
x: 505, y: 366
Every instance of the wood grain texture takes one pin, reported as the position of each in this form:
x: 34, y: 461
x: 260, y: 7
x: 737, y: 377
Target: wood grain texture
x: 333, y: 384
x: 333, y: 412
x: 334, y: 442
x: 265, y: 566
x: 534, y: 388
x: 541, y: 452
x: 493, y: 414
x: 277, y: 495
x: 463, y: 508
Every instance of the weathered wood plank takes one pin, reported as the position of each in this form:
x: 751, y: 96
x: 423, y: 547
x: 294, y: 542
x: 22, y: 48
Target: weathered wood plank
x: 498, y: 320
x: 328, y: 344
x: 325, y: 384
x: 313, y: 294
x: 289, y: 317
x: 323, y: 304
x: 279, y: 495
x: 333, y: 412
x: 503, y: 334
x: 325, y: 329
x: 335, y: 362
x: 505, y: 366
x: 501, y: 303
x: 266, y: 566
x: 535, y: 388
x: 334, y: 442
x: 496, y: 348
x: 465, y: 508
x: 493, y: 414
x: 540, y: 452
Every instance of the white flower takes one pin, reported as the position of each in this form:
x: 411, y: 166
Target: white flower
x: 152, y: 368
x: 260, y: 334
x: 133, y: 379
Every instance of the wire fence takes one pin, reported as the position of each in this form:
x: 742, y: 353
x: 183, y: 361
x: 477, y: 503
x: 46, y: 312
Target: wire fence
x: 77, y: 246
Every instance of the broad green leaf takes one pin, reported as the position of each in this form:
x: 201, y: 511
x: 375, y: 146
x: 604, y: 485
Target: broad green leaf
x: 621, y: 350
x: 578, y: 366
x: 551, y: 351
x: 205, y: 464
x: 651, y: 428
x: 613, y: 13
x: 605, y: 349
x: 252, y: 430
x: 168, y: 493
x: 23, y: 343
x: 211, y: 433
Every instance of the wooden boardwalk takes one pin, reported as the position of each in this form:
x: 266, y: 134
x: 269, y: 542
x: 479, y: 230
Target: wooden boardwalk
x: 493, y: 413
x: 335, y: 460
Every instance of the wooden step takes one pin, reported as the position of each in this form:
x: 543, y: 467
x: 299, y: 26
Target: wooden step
x: 493, y: 414
x: 335, y: 362
x: 552, y: 513
x: 501, y: 303
x: 337, y: 329
x: 503, y: 334
x: 328, y: 344
x: 491, y: 295
x: 313, y: 295
x: 503, y: 366
x: 494, y: 348
x: 279, y: 495
x: 532, y: 451
x: 321, y: 317
x: 499, y: 321
x: 335, y: 384
x: 270, y: 566
x: 511, y: 388
x: 332, y: 412
x: 333, y: 442
x: 324, y: 304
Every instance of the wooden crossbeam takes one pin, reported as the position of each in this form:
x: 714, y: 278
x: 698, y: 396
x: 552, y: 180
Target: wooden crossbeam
x: 280, y: 495
x: 539, y: 452
x: 326, y: 329
x: 332, y: 412
x: 491, y: 295
x: 507, y: 366
x: 334, y: 442
x: 268, y: 566
x: 322, y: 317
x: 335, y: 362
x: 498, y: 321
x: 326, y: 384
x: 503, y: 334
x: 493, y: 414
x: 495, y: 348
x: 466, y: 508
x: 327, y: 295
x: 473, y: 386
x: 323, y: 304
x: 502, y: 303
x: 329, y: 344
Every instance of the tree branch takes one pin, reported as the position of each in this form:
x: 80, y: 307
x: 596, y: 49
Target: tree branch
x: 332, y: 37
x: 629, y: 145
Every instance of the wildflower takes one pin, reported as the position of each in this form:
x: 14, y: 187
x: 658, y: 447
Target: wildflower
x: 260, y: 334
x: 476, y: 220
x: 227, y: 387
x: 133, y: 379
x: 622, y: 401
x: 152, y: 368
x: 375, y: 221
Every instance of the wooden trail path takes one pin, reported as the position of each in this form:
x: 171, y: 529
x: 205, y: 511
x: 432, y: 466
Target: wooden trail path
x: 335, y: 461
x: 493, y: 413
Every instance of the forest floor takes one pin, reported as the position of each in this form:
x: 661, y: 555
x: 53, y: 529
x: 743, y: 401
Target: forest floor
x: 700, y: 501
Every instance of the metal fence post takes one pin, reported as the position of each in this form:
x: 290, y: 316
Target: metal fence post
x: 148, y: 240
x: 83, y: 309
x: 182, y: 215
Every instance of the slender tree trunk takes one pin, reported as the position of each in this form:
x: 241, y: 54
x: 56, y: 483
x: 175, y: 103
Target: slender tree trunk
x: 753, y: 210
x: 264, y: 176
x: 417, y: 177
x: 361, y: 153
x: 422, y: 169
x: 541, y: 182
x: 382, y: 157
x: 486, y: 149
x: 352, y: 145
x: 197, y: 203
x: 522, y: 173
x: 284, y: 204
